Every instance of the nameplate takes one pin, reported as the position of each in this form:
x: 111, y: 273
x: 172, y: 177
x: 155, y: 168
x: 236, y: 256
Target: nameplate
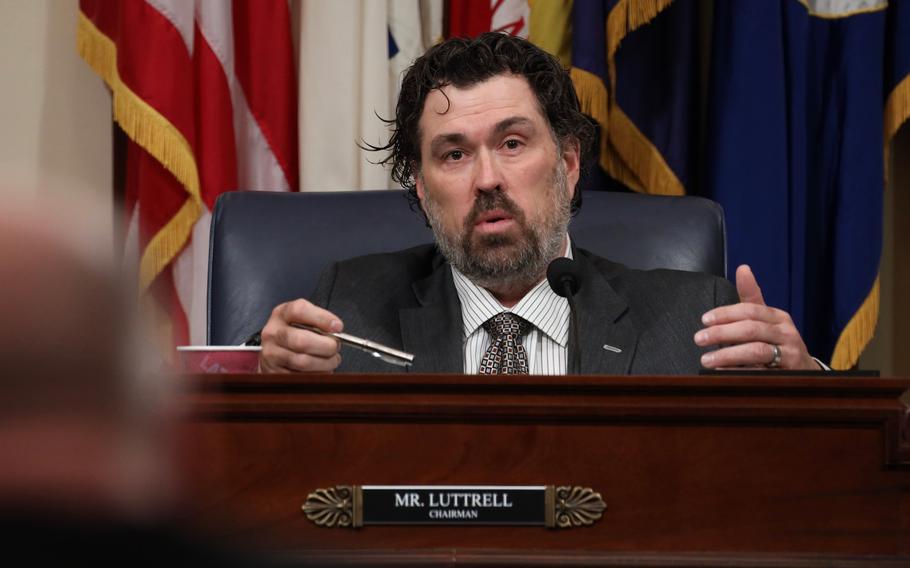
x: 453, y: 505
x: 542, y: 505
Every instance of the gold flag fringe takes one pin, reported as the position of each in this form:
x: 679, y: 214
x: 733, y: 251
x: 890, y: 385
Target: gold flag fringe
x: 153, y: 132
x: 618, y: 169
x: 858, y: 331
x: 897, y: 110
x: 624, y: 18
x: 626, y: 153
x: 641, y: 156
x: 592, y: 96
x: 861, y: 327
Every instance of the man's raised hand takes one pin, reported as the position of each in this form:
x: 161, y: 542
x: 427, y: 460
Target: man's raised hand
x: 752, y: 334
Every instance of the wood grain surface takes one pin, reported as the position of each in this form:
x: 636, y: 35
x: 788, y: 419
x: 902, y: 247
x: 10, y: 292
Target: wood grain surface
x: 726, y: 471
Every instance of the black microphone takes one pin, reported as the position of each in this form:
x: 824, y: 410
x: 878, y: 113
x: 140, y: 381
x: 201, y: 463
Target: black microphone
x: 564, y: 276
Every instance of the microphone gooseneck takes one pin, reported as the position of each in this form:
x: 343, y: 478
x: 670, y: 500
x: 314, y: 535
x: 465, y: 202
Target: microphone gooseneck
x: 564, y: 277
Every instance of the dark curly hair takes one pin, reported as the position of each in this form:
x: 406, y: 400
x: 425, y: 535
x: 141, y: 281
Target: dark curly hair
x: 465, y: 62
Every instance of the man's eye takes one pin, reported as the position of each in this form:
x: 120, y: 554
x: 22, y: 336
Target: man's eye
x: 454, y: 155
x: 512, y: 144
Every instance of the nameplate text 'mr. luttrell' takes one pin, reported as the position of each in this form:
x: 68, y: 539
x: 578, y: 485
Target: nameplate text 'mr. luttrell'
x: 544, y: 505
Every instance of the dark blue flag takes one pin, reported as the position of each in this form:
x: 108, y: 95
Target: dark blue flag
x: 795, y: 156
x: 634, y: 67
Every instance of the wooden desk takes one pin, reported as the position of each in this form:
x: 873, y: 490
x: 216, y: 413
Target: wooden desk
x: 745, y: 471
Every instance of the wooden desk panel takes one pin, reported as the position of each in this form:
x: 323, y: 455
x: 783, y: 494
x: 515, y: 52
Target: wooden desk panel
x: 736, y: 468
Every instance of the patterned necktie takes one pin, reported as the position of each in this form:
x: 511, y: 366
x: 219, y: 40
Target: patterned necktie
x: 506, y: 355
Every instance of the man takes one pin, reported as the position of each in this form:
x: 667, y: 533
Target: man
x: 489, y: 139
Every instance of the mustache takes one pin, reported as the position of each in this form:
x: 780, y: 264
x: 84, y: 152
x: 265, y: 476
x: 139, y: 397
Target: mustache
x: 488, y: 201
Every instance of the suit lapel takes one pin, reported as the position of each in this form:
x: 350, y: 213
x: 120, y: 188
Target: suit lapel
x: 432, y: 331
x: 603, y: 324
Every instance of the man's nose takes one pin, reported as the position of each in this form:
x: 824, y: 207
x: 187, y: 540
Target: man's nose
x: 487, y: 175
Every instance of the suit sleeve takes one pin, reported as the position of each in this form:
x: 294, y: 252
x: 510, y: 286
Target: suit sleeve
x: 322, y: 295
x: 724, y: 293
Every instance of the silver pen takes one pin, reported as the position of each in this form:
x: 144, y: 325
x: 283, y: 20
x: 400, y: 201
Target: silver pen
x: 387, y: 354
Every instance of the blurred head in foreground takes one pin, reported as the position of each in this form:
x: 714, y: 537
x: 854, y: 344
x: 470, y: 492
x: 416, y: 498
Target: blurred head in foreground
x: 86, y: 436
x: 80, y: 437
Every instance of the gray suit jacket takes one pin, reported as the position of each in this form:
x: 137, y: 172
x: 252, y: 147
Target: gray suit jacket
x: 407, y: 300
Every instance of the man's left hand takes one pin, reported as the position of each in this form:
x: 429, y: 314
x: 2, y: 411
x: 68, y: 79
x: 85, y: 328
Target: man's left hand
x: 752, y: 334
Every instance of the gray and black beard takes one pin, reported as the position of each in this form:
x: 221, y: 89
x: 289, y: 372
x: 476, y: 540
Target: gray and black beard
x: 496, y: 261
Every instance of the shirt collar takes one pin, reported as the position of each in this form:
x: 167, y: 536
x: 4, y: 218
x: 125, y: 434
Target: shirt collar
x: 546, y: 310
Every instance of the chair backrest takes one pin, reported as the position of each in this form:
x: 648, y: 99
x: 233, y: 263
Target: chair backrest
x: 267, y: 248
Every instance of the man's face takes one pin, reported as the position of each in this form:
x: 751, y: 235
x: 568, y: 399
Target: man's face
x: 493, y: 183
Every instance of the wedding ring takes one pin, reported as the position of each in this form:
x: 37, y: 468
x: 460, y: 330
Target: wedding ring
x: 775, y: 357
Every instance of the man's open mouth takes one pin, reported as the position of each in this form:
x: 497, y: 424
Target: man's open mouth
x: 493, y: 218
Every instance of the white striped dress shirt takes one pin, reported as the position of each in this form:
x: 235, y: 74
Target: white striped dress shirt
x: 547, y: 342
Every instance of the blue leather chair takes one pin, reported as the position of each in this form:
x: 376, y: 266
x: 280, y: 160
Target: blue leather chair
x: 267, y: 248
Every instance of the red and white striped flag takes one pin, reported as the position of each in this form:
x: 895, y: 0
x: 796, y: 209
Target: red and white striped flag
x: 206, y: 92
x: 470, y: 18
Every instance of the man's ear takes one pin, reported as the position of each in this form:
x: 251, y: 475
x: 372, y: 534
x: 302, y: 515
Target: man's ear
x: 420, y: 190
x: 571, y: 159
x: 419, y: 185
